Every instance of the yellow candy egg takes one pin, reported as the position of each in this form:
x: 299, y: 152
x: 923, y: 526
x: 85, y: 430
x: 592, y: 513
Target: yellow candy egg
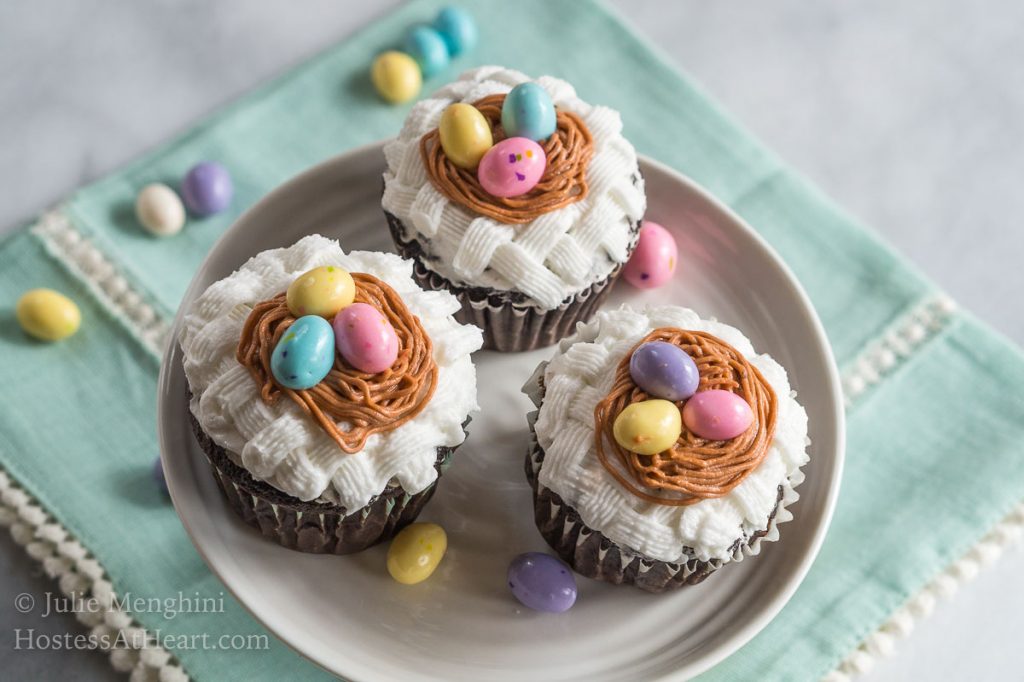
x: 48, y: 315
x: 322, y: 291
x: 465, y: 135
x: 648, y: 427
x: 396, y: 76
x: 415, y: 552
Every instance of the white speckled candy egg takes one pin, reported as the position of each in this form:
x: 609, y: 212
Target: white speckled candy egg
x: 160, y: 210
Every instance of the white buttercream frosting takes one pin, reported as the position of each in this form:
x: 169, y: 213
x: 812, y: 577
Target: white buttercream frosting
x: 581, y: 374
x: 279, y: 443
x: 548, y: 259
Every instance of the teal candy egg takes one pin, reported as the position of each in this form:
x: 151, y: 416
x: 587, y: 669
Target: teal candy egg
x: 528, y: 112
x: 305, y: 354
x: 427, y: 47
x: 458, y: 29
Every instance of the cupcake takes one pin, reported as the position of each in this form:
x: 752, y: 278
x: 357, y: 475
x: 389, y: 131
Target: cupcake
x: 328, y: 392
x: 519, y: 198
x: 663, y: 448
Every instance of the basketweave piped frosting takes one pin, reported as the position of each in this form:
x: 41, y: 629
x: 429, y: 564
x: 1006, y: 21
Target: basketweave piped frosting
x: 279, y: 442
x: 549, y: 258
x: 580, y: 376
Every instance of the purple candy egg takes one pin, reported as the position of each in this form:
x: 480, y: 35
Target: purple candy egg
x: 717, y: 415
x: 207, y: 188
x: 542, y: 582
x: 159, y: 477
x: 664, y: 370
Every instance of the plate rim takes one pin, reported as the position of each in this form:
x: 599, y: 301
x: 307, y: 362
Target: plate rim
x: 703, y: 661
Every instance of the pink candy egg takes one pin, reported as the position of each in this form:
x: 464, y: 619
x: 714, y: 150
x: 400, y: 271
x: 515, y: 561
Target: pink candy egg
x: 654, y: 261
x: 365, y: 338
x: 717, y: 414
x: 512, y: 167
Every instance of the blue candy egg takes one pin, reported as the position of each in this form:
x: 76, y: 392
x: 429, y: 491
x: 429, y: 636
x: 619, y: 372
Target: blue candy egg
x: 528, y: 112
x: 428, y: 48
x: 542, y: 582
x: 458, y: 29
x: 305, y: 354
x: 664, y: 370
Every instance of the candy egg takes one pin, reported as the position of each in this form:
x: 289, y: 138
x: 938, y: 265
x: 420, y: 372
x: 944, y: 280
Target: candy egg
x: 542, y: 582
x: 512, y: 167
x: 160, y: 210
x: 717, y: 415
x: 322, y: 291
x: 207, y: 188
x: 427, y: 47
x: 528, y: 112
x: 457, y: 28
x: 396, y: 76
x: 416, y: 551
x: 159, y: 477
x: 654, y: 261
x: 47, y: 315
x: 664, y: 370
x: 365, y: 338
x: 648, y: 427
x: 465, y: 135
x: 305, y: 354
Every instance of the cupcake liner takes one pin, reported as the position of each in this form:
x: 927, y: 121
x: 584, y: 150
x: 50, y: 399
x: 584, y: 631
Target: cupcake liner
x: 508, y: 321
x: 591, y: 554
x: 314, y: 527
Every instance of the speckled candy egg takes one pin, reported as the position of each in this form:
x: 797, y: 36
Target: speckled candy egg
x: 427, y: 47
x: 717, y: 415
x: 542, y: 582
x: 305, y: 353
x: 365, y: 338
x: 465, y: 135
x: 654, y: 260
x: 457, y: 28
x: 528, y: 112
x: 664, y: 370
x: 396, y: 76
x: 159, y: 210
x: 416, y: 551
x: 321, y: 291
x: 47, y: 315
x: 512, y: 167
x: 648, y: 427
x: 207, y: 188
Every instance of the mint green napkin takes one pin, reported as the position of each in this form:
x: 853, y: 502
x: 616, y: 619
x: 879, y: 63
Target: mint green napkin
x: 77, y: 425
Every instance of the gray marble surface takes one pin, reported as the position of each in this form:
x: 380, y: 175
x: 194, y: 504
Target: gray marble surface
x: 909, y: 114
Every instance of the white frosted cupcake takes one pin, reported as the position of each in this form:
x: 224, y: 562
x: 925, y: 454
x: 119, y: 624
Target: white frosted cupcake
x: 525, y: 268
x: 346, y: 460
x: 672, y: 517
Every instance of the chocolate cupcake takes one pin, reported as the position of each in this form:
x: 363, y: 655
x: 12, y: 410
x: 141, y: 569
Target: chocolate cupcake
x: 326, y: 437
x: 659, y: 473
x: 528, y: 258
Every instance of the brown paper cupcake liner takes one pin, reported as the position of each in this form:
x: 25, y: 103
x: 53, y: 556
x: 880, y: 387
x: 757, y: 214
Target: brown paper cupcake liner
x: 314, y: 527
x: 591, y: 554
x: 509, y: 322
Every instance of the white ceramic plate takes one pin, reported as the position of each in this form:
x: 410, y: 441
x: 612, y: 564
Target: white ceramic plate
x: 346, y: 614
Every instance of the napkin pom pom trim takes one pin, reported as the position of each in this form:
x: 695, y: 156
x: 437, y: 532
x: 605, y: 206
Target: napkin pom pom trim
x: 87, y: 263
x: 882, y: 641
x: 82, y: 579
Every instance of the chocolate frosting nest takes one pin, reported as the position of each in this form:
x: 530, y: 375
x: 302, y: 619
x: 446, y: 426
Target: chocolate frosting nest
x: 694, y: 469
x: 564, y: 181
x: 367, y: 403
